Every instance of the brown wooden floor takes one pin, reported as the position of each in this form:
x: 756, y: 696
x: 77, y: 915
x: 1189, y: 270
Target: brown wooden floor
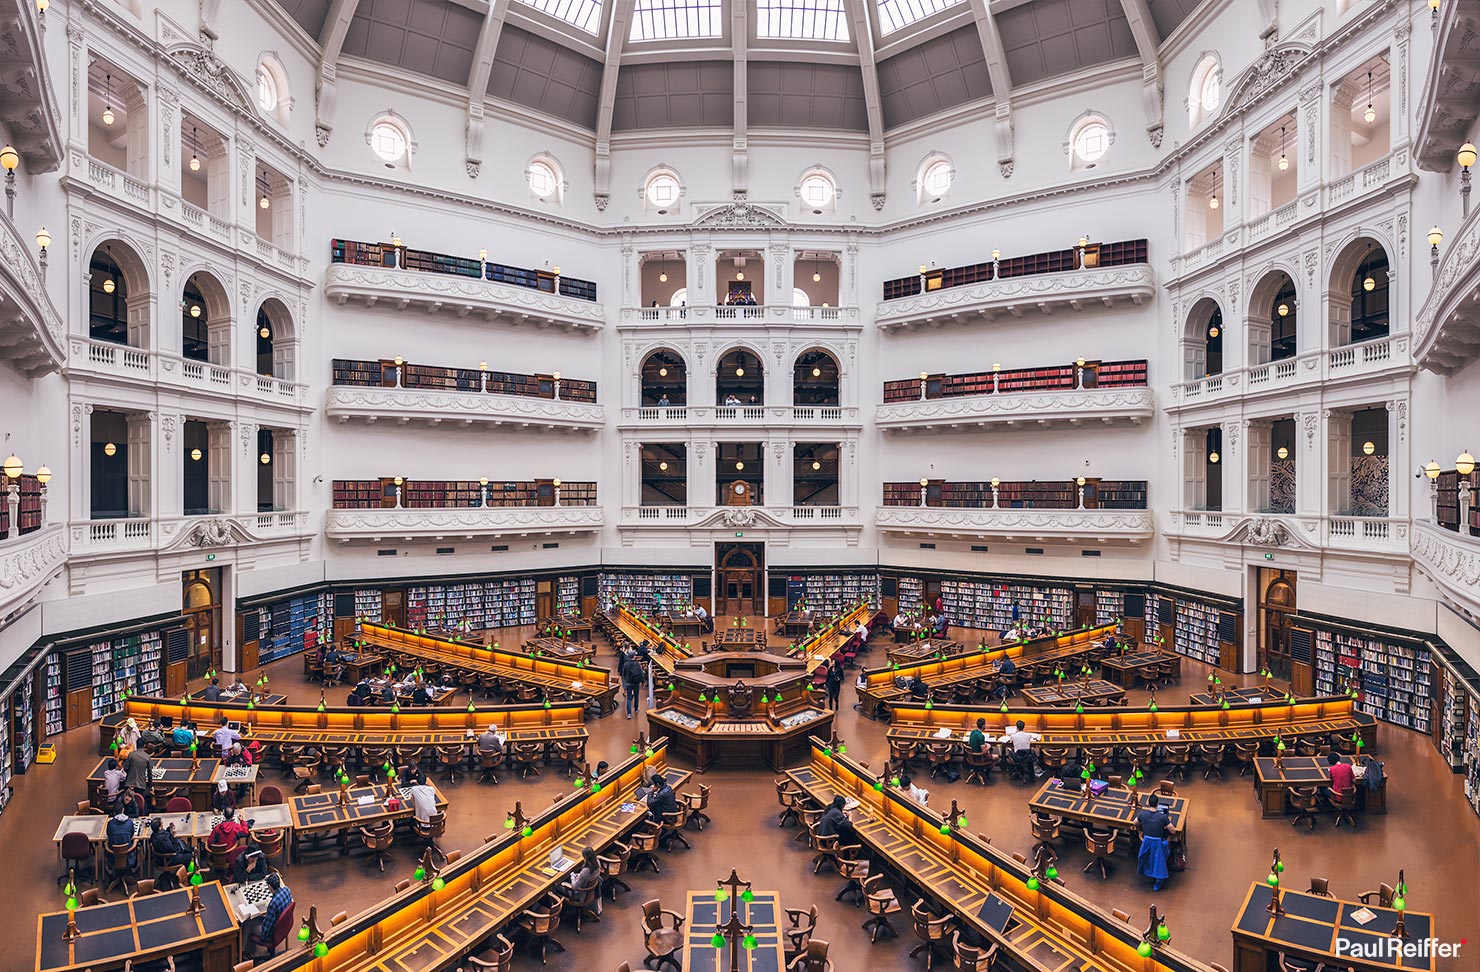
x: 1429, y: 830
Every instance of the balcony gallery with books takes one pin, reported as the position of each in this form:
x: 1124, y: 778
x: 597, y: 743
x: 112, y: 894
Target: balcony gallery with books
x: 829, y: 485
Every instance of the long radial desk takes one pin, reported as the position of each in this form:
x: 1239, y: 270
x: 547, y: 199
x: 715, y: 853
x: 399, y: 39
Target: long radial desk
x: 137, y: 930
x: 1125, y: 726
x: 821, y: 646
x: 557, y: 678
x: 879, y: 688
x: 376, y: 728
x: 1052, y: 929
x: 626, y: 629
x: 423, y: 929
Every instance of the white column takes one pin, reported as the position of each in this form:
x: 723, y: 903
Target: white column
x: 169, y: 140
x: 782, y: 278
x: 1398, y: 457
x: 138, y: 135
x: 1311, y: 448
x: 246, y: 187
x: 1194, y: 469
x: 1261, y: 174
x: 701, y: 461
x: 699, y: 275
x: 1310, y: 140
x: 170, y: 487
x: 243, y: 471
x: 79, y: 503
x: 1236, y: 459
x: 283, y: 223
x: 780, y: 470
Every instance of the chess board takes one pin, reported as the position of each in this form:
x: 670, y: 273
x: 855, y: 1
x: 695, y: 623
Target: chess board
x: 236, y: 773
x: 250, y: 899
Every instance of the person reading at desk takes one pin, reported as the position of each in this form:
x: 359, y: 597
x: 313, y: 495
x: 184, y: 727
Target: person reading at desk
x: 490, y: 743
x: 169, y: 850
x: 586, y: 877
x: 230, y: 832
x: 388, y: 692
x: 182, y: 736
x: 1021, y: 741
x: 662, y: 800
x: 119, y: 832
x: 237, y: 686
x: 213, y: 691
x: 1155, y: 825
x: 1343, y: 781
x: 919, y: 691
x: 419, y: 695
x: 222, y: 799
x: 834, y: 820
x: 357, y: 695
x: 113, y: 779
x: 977, y: 738
x: 917, y: 793
x: 1070, y: 777
x: 423, y: 800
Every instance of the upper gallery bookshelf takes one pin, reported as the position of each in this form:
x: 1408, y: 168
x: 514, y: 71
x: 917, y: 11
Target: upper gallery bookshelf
x: 1066, y: 377
x: 425, y: 261
x: 1102, y: 494
x: 383, y: 374
x: 1057, y: 261
x: 366, y: 494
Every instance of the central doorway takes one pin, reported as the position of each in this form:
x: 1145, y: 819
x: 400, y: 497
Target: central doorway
x: 741, y: 570
x: 201, y: 600
x: 1276, y: 606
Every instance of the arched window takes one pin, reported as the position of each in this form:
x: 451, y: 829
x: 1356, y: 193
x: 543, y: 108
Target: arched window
x: 799, y: 298
x: 389, y: 137
x: 1205, y: 90
x: 740, y: 379
x: 815, y: 379
x: 680, y: 298
x: 817, y: 190
x: 664, y: 379
x: 662, y: 191
x: 545, y: 179
x: 273, y: 96
x: 936, y: 176
x: 1090, y: 139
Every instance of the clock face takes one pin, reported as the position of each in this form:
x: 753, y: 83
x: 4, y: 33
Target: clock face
x: 739, y: 487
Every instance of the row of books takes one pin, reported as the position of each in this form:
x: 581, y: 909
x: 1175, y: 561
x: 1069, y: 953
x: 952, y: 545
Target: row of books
x: 53, y: 701
x: 1096, y: 374
x: 382, y: 374
x: 1054, y: 261
x: 370, y: 604
x: 289, y: 626
x: 1196, y: 631
x: 1034, y: 494
x: 426, y: 261
x: 911, y: 592
x: 364, y: 494
x: 1109, y: 606
x: 29, y: 512
x: 830, y: 594
x: 1395, y: 680
x: 567, y: 595
x: 646, y: 592
x: 988, y: 604
x: 482, y: 604
x: 1448, y: 502
x: 123, y: 666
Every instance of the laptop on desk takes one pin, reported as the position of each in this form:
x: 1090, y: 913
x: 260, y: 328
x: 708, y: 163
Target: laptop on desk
x: 558, y: 863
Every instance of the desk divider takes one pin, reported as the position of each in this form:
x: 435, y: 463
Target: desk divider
x: 394, y: 638
x: 983, y: 658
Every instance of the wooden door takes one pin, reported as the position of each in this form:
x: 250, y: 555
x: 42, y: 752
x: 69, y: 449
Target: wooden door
x: 1276, y: 604
x: 393, y: 607
x: 544, y: 600
x: 742, y: 579
x: 79, y: 707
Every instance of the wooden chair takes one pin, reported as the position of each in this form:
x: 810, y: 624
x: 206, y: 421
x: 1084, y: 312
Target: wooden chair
x: 333, y: 760
x: 1166, y: 788
x: 407, y: 756
x: 939, y: 756
x: 663, y: 940
x: 901, y: 752
x: 339, y: 919
x: 86, y: 809
x: 526, y: 757
x: 77, y: 854
x: 932, y: 932
x: 1177, y: 756
x: 1244, y: 754
x: 970, y: 958
x: 1290, y: 963
x: 813, y: 958
x: 306, y: 768
x: 491, y: 686
x: 449, y: 758
x: 613, y: 866
x: 584, y: 903
x: 571, y: 755
x: 1142, y: 755
x: 799, y: 932
x: 697, y: 804
x: 220, y: 857
x: 790, y: 800
x: 978, y: 766
x: 1211, y: 755
x: 270, y: 939
x: 269, y: 795
x: 143, y: 888
x: 673, y: 825
x: 1168, y: 672
x: 1304, y: 799
x: 1321, y: 887
x: 90, y: 897
x: 825, y: 847
x: 1046, y: 829
x: 1343, y: 806
x: 378, y: 841
x: 1101, y: 846
x: 488, y: 764
x: 881, y: 902
x: 429, y: 831
x: 1384, y: 895
x: 271, y: 842
x: 179, y: 804
x: 854, y: 871
x: 374, y: 758
x: 402, y: 885
x: 1101, y: 756
x: 498, y: 958
x: 539, y: 925
x: 644, y: 848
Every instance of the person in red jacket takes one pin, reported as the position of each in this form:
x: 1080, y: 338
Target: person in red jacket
x: 1342, y: 780
x: 233, y: 832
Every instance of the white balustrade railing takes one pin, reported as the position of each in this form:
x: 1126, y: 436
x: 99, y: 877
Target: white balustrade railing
x: 194, y: 215
x: 110, y: 532
x: 816, y: 512
x: 663, y: 413
x: 654, y: 514
x: 740, y: 413
x: 826, y: 413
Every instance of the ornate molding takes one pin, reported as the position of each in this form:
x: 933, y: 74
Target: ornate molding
x: 28, y: 563
x: 739, y: 215
x: 1074, y: 407
x: 215, y: 531
x: 1451, y: 91
x: 1076, y: 289
x: 1019, y: 524
x: 1446, y: 330
x: 434, y: 292
x: 346, y: 525
x: 1451, y: 561
x: 31, y: 328
x: 401, y: 404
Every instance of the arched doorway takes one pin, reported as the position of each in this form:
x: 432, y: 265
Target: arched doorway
x: 201, y: 609
x: 741, y: 571
x: 1276, y: 606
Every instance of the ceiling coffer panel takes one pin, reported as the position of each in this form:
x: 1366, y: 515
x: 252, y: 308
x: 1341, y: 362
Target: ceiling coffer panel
x: 431, y: 37
x: 680, y: 94
x: 545, y: 76
x: 1051, y: 38
x: 308, y: 14
x: 941, y: 73
x: 1169, y: 14
x: 818, y: 96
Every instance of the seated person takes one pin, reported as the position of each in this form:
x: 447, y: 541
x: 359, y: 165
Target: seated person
x: 169, y: 850
x: 423, y: 800
x: 225, y: 736
x: 230, y: 832
x: 584, y: 878
x: 834, y: 820
x: 388, y: 692
x: 490, y: 743
x: 1071, y: 776
x: 1343, y: 781
x: 1004, y: 678
x: 120, y: 832
x: 183, y: 735
x: 237, y: 686
x: 919, y: 691
x: 223, y: 799
x: 251, y: 866
x: 977, y: 738
x: 276, y: 905
x: 419, y: 695
x: 662, y: 800
x: 113, y: 777
x: 1021, y: 742
x: 413, y: 776
x: 917, y: 793
x: 356, y: 697
x: 213, y: 691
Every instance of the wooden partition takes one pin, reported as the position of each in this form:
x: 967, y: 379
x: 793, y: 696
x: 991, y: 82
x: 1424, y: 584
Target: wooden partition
x: 819, y: 647
x: 1124, y: 725
x: 1056, y: 928
x: 340, y: 725
x: 637, y: 628
x: 424, y: 929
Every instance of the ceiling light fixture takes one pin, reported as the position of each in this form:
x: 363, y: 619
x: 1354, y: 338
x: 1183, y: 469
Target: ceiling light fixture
x: 264, y: 459
x: 739, y: 372
x: 1282, y: 453
x: 195, y: 454
x: 816, y: 372
x: 663, y: 466
x: 1283, y: 309
x: 1368, y: 447
x: 1369, y: 283
x: 108, y: 284
x: 816, y: 465
x: 739, y: 464
x: 662, y: 372
x: 1284, y: 162
x: 108, y: 115
x: 110, y: 449
x: 1370, y: 115
x: 1213, y: 458
x: 263, y: 332
x: 194, y: 156
x: 1213, y: 331
x: 739, y: 274
x: 194, y: 310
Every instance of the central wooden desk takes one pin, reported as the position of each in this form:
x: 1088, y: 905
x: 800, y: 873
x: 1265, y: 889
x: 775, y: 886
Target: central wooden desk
x: 796, y: 623
x: 705, y: 916
x: 314, y: 813
x: 1115, y: 809
x: 575, y: 628
x: 567, y: 650
x: 833, y: 637
x: 173, y: 771
x: 1070, y: 692
x: 1051, y: 929
x: 923, y: 650
x: 1236, y: 696
x: 1273, y: 783
x: 739, y: 639
x: 139, y: 930
x: 685, y: 627
x: 1122, y: 669
x: 1311, y: 927
x: 557, y: 679
x: 423, y: 929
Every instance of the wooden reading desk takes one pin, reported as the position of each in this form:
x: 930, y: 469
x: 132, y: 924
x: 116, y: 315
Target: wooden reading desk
x: 575, y: 628
x: 564, y: 649
x: 1070, y: 692
x: 425, y: 930
x: 685, y: 627
x: 833, y: 637
x: 555, y: 678
x: 364, y: 806
x: 739, y: 639
x: 923, y: 650
x: 796, y: 624
x: 1236, y: 696
x: 628, y: 629
x: 1115, y: 809
x: 1273, y: 783
x: 139, y: 930
x: 1051, y: 929
x: 1122, y: 669
x: 705, y: 915
x: 173, y: 771
x: 1311, y: 927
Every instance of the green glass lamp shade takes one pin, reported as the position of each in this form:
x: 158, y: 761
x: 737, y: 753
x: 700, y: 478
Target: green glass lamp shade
x: 438, y: 884
x: 929, y: 704
x: 1274, y: 880
x: 71, y: 903
x: 718, y: 941
x: 703, y: 697
x: 748, y: 941
x: 670, y: 686
x: 547, y: 703
x: 1091, y: 767
x: 1004, y: 707
x: 1084, y: 774
x: 961, y: 821
x: 321, y: 707
x: 827, y: 750
x: 1280, y: 867
x: 1400, y: 903
x: 196, y: 879
x: 527, y: 831
x: 508, y: 823
x: 633, y: 749
x: 878, y: 786
x: 472, y: 707
x: 1079, y: 709
x: 894, y: 781
x: 1152, y: 706
x: 720, y: 894
x: 1225, y: 703
x: 1032, y: 884
x: 303, y: 933
x: 1144, y: 950
x: 945, y: 828
x: 595, y: 787
x: 1163, y: 933
x: 321, y: 949
x: 395, y: 707
x: 747, y: 896
x: 1052, y: 873
x: 579, y: 783
x: 420, y: 873
x: 842, y: 749
x: 648, y: 752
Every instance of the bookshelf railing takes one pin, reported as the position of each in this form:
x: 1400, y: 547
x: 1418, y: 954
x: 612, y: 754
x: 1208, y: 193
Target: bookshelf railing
x: 1449, y: 510
x: 1066, y: 377
x: 452, y: 494
x: 1068, y: 494
x: 29, y: 510
x: 386, y: 373
x: 401, y: 257
x: 1087, y: 257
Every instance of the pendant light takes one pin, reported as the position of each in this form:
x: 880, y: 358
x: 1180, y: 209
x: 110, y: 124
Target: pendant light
x: 1282, y: 453
x: 264, y: 458
x: 108, y: 116
x: 1369, y: 283
x: 195, y: 310
x: 264, y: 202
x: 816, y: 372
x: 263, y: 332
x: 109, y: 284
x: 816, y: 273
x: 739, y: 372
x: 739, y: 464
x: 816, y: 465
x: 739, y: 274
x: 663, y: 466
x: 110, y: 450
x: 1368, y: 447
x: 1284, y: 309
x: 662, y: 273
x: 1284, y: 163
x: 195, y: 455
x: 1213, y: 331
x: 663, y: 372
x: 1370, y: 115
x: 1213, y: 458
x: 194, y: 157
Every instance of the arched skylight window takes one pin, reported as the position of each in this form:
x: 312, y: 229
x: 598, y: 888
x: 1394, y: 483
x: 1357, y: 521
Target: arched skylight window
x: 894, y: 14
x: 673, y: 19
x: 799, y: 298
x: 680, y: 297
x: 580, y: 14
x: 801, y: 19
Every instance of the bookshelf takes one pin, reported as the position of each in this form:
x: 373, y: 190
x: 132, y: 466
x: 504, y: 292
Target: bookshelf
x: 1109, y: 605
x: 360, y: 494
x: 123, y: 666
x: 370, y: 605
x: 1034, y: 494
x: 427, y: 261
x: 23, y: 722
x: 1395, y: 679
x: 483, y: 604
x: 567, y: 595
x: 1108, y: 494
x: 29, y: 511
x: 831, y: 594
x: 7, y: 749
x: 911, y: 594
x: 638, y: 590
x: 289, y: 626
x: 1097, y: 374
x: 1055, y: 261
x: 382, y: 373
x: 54, y: 703
x: 988, y: 604
x: 1195, y: 632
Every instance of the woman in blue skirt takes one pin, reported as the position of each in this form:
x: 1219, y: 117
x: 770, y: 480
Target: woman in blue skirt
x: 1155, y: 825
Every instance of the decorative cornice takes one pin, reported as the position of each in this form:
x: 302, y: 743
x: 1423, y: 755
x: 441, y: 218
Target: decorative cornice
x: 27, y: 563
x: 739, y: 216
x: 473, y: 522
x: 1020, y: 524
x: 26, y: 308
x: 1451, y: 91
x: 1451, y: 561
x: 371, y: 404
x: 1073, y: 407
x: 27, y: 96
x: 438, y: 292
x: 214, y: 531
x: 1446, y: 331
x: 1074, y: 288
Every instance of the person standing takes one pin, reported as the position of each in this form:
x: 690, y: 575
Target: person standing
x: 1155, y: 826
x: 632, y: 679
x: 834, y: 684
x: 139, y: 774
